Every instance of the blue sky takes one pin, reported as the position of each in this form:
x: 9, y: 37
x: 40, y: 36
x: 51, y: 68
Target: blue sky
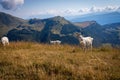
x: 47, y: 8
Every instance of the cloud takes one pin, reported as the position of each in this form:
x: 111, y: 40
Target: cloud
x: 11, y: 4
x: 107, y: 8
x: 95, y: 9
x: 85, y: 10
x: 72, y: 12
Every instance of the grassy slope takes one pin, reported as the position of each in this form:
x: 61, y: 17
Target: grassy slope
x: 33, y: 61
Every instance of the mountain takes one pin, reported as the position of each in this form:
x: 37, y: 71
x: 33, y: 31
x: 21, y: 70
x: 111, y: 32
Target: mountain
x: 57, y: 25
x: 84, y: 24
x: 44, y: 30
x: 103, y: 18
x: 112, y: 32
x: 7, y: 22
x: 57, y: 28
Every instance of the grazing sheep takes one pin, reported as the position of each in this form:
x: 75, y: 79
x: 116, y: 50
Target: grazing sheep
x: 5, y: 41
x: 85, y: 42
x: 55, y: 42
x: 88, y: 41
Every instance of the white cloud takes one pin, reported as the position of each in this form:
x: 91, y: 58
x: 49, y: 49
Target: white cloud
x: 110, y: 8
x: 11, y: 4
x: 84, y: 10
x: 107, y: 8
x: 73, y: 12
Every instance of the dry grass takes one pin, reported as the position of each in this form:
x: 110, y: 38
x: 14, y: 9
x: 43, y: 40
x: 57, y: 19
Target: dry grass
x: 33, y: 61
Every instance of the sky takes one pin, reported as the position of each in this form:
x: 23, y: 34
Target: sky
x: 47, y: 8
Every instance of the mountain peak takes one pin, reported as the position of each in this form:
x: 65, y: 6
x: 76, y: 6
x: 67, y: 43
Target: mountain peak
x: 59, y: 19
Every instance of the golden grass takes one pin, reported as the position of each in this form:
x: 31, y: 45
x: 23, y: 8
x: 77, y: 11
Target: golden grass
x: 34, y: 61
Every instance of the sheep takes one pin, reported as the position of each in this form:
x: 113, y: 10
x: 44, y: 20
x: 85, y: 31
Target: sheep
x: 88, y: 41
x: 85, y: 42
x: 82, y: 42
x: 5, y: 41
x: 55, y: 42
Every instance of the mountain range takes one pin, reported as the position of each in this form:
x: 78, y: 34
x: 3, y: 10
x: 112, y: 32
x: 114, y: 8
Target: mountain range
x: 57, y: 28
x: 101, y: 18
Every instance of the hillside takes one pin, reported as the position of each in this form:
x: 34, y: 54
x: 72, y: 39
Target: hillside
x: 8, y: 22
x: 84, y: 24
x: 44, y: 30
x: 34, y: 61
x: 112, y: 32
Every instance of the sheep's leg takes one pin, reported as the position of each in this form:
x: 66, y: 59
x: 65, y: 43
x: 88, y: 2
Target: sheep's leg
x: 3, y: 43
x: 91, y: 47
x: 85, y: 49
x: 7, y: 43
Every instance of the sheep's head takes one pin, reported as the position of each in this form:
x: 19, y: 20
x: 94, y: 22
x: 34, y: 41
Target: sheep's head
x: 76, y: 34
x: 79, y: 36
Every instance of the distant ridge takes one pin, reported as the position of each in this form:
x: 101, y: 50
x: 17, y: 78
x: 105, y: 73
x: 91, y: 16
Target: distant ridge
x: 103, y: 18
x: 85, y: 23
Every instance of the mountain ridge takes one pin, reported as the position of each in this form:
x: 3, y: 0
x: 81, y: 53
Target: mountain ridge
x: 103, y: 18
x: 58, y: 28
x: 8, y: 22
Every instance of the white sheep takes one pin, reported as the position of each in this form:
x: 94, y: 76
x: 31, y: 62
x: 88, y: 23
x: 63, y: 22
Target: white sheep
x: 88, y: 41
x: 85, y: 42
x: 5, y: 41
x: 55, y: 42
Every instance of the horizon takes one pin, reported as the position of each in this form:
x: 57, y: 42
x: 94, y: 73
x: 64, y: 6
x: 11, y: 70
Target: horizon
x: 44, y: 9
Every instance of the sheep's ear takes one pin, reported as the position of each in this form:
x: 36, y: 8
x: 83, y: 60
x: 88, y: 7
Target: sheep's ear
x: 78, y: 33
x: 75, y: 34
